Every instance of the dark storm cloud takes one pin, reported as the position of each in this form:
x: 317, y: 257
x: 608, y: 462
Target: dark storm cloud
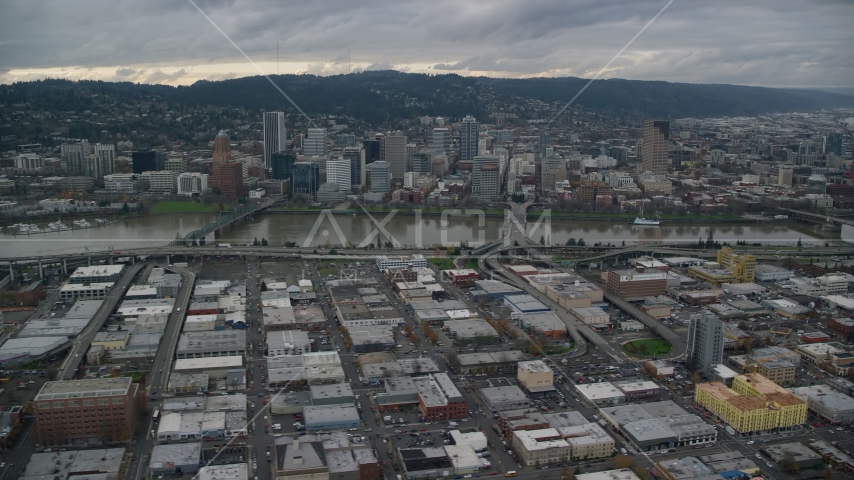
x: 763, y: 42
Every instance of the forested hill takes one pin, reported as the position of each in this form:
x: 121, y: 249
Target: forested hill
x: 382, y: 96
x: 670, y: 100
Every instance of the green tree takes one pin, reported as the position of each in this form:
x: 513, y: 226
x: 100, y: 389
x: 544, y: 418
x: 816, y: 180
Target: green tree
x: 542, y: 240
x: 571, y: 242
x: 256, y: 242
x: 125, y: 208
x: 800, y: 243
x: 581, y: 242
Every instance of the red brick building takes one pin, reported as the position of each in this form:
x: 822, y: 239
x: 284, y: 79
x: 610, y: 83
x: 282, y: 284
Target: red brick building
x: 31, y: 294
x: 510, y: 421
x: 843, y: 327
x: 393, y: 275
x: 440, y: 399
x: 462, y: 277
x: 86, y: 412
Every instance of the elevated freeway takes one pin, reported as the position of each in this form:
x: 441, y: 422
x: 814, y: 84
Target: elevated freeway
x: 158, y: 379
x: 81, y: 344
x: 495, y: 248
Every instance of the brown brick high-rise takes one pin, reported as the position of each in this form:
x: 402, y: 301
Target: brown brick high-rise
x: 231, y: 180
x: 221, y: 155
x: 86, y: 412
x: 637, y: 283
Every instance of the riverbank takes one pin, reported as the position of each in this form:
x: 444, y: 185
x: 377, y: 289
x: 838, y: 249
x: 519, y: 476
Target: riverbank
x: 186, y: 206
x: 669, y: 219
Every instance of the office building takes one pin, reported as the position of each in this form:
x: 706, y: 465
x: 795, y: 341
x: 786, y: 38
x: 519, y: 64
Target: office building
x: 537, y: 378
x: 658, y: 426
x: 441, y: 141
x: 104, y: 159
x: 275, y: 136
x: 330, y: 193
x: 637, y: 283
x: 490, y: 180
x: 231, y: 180
x: 490, y: 183
x: 817, y: 184
x: 743, y: 267
x: 380, y: 177
x: 705, y: 344
x: 192, y: 184
x: 314, y: 143
x: 468, y: 138
x: 338, y: 172
x: 393, y: 152
x: 753, y: 405
x: 835, y: 407
x: 587, y: 441
x: 143, y: 160
x: 344, y: 140
x: 306, y: 178
x: 121, y: 182
x: 160, y: 181
x: 86, y: 411
x: 176, y: 162
x: 356, y: 156
x: 372, y: 150
x: 656, y: 138
x: 545, y: 142
x: 834, y: 144
x: 74, y: 155
x: 552, y: 170
x: 221, y: 153
x: 540, y: 447
x: 282, y: 164
x: 421, y: 162
x: 785, y: 175
x: 590, y: 191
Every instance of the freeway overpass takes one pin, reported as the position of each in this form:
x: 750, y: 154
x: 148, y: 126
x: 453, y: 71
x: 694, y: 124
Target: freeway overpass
x: 769, y: 253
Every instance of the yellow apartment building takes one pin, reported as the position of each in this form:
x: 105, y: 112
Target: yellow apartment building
x: 743, y: 267
x: 753, y: 404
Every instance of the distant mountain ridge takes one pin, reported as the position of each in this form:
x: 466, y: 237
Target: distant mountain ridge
x: 380, y: 96
x: 668, y: 100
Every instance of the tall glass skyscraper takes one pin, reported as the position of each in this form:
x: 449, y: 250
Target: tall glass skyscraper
x: 468, y: 138
x: 275, y: 138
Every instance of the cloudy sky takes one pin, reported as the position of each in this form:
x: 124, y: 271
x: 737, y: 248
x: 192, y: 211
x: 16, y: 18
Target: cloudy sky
x: 783, y: 43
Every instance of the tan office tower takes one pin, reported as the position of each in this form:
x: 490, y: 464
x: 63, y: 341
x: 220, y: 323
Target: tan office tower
x: 785, y: 175
x: 393, y: 151
x: 221, y: 155
x: 656, y: 137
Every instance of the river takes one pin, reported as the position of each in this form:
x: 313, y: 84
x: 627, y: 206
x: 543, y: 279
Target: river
x: 278, y: 229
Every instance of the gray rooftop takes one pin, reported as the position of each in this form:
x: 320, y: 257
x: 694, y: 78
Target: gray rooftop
x: 99, y: 387
x: 485, y: 358
x: 823, y: 394
x: 330, y: 413
x: 565, y: 419
x: 497, y: 395
x: 686, y: 467
x: 337, y: 390
x: 177, y: 453
x: 799, y: 450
